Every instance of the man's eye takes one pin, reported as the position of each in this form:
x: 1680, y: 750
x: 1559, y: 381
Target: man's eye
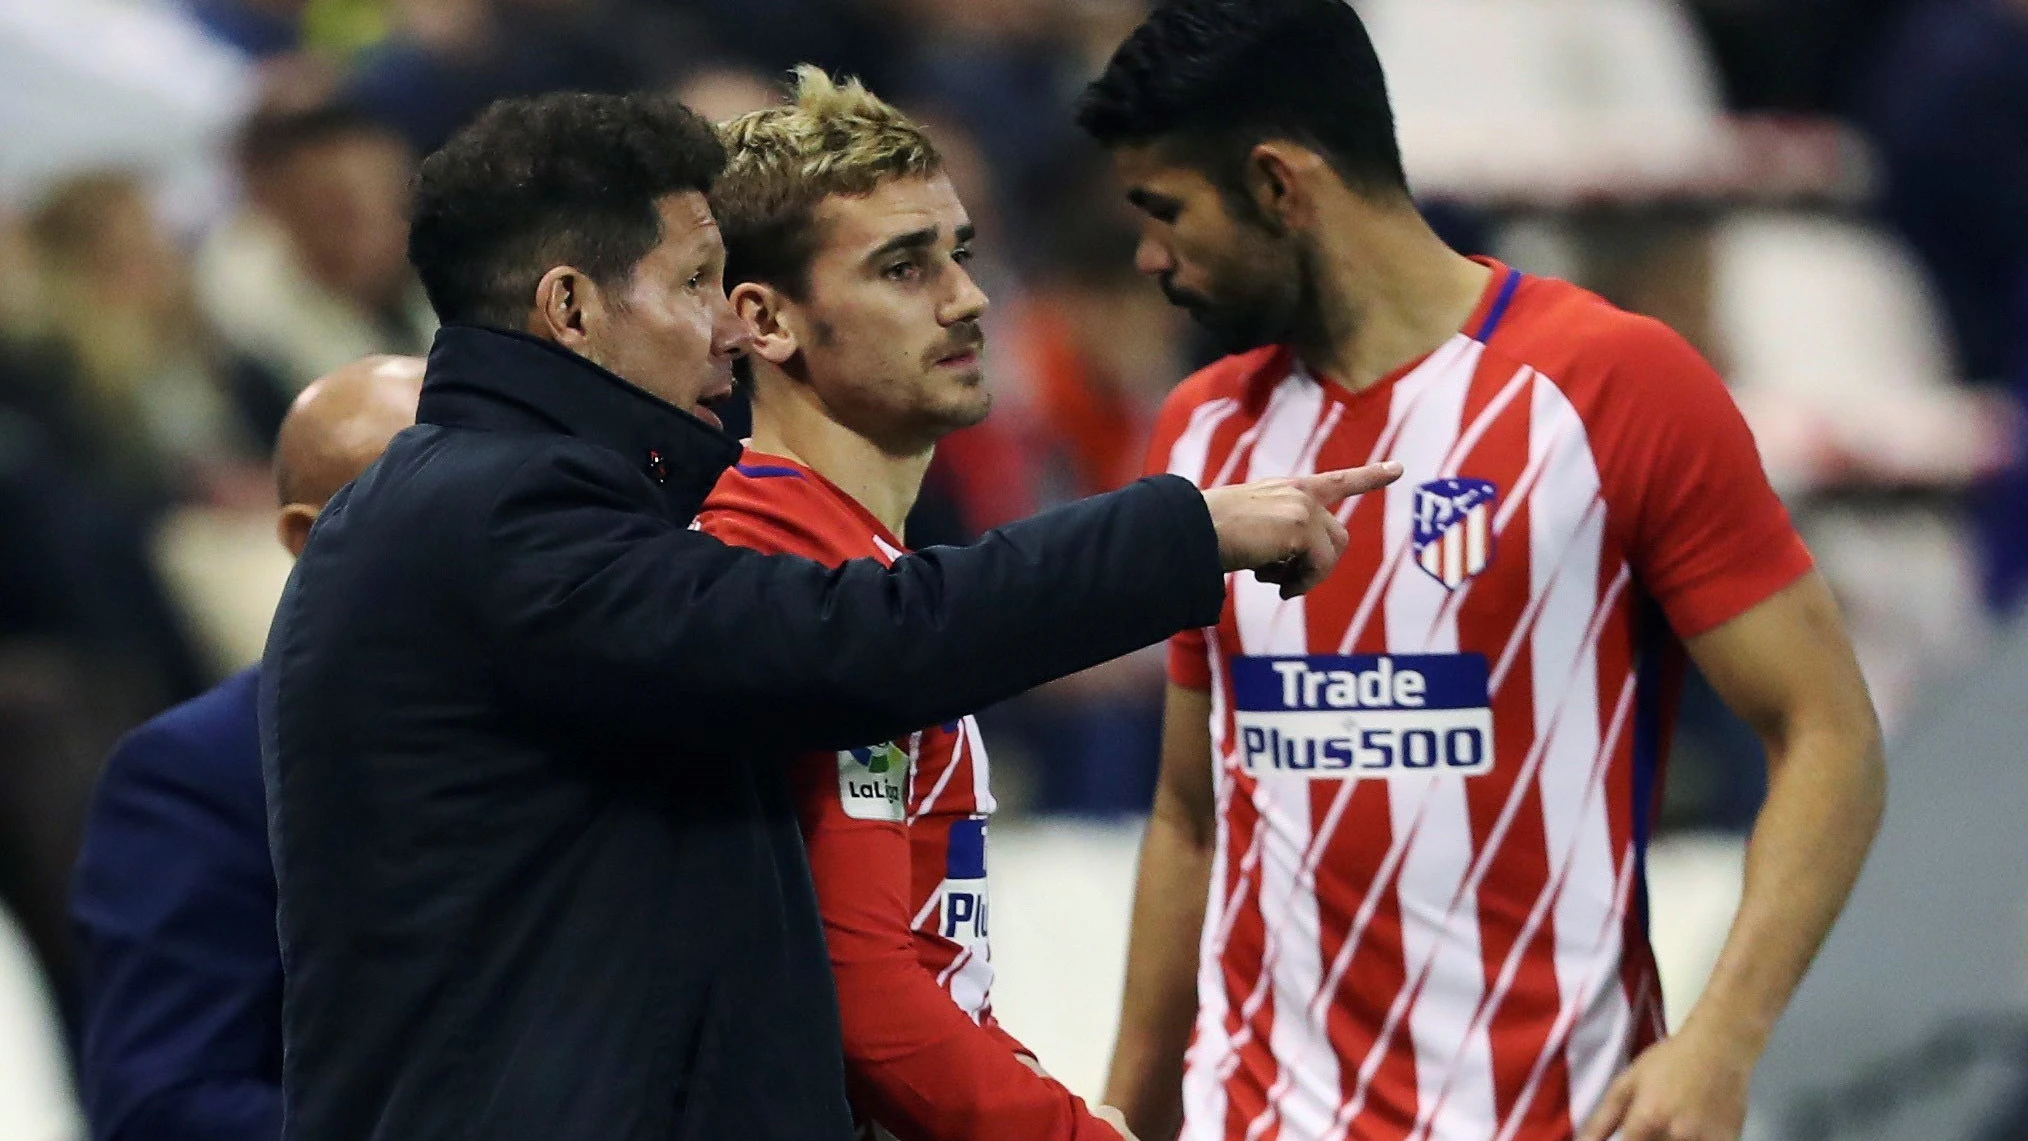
x: 696, y: 281
x: 962, y: 254
x: 901, y: 271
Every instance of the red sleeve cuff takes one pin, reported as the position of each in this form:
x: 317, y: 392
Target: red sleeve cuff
x: 1190, y: 661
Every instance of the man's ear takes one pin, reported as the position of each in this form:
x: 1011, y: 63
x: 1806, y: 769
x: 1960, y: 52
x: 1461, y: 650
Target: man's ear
x: 293, y: 527
x: 768, y: 320
x: 568, y: 303
x: 1281, y: 182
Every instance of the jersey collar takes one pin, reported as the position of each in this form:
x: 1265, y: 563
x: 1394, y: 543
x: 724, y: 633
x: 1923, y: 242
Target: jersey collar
x: 494, y: 379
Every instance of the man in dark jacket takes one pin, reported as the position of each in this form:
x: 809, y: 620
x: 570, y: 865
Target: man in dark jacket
x: 174, y: 896
x: 525, y: 731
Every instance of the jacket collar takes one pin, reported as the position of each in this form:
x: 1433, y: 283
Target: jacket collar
x: 496, y: 380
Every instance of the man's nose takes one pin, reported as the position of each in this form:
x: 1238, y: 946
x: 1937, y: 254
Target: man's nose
x: 729, y: 335
x: 1152, y: 258
x: 968, y: 302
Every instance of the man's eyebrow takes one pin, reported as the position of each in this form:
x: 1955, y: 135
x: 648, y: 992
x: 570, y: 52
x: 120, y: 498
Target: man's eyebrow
x: 1149, y: 200
x: 914, y: 239
x: 966, y: 233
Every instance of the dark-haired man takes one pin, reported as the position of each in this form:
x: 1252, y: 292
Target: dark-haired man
x: 1394, y: 875
x: 312, y: 273
x: 526, y: 730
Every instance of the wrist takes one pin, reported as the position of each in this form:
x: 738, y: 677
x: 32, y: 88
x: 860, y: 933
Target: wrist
x: 1740, y: 1033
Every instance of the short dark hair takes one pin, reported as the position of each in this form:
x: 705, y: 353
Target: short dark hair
x: 563, y: 179
x: 1216, y: 77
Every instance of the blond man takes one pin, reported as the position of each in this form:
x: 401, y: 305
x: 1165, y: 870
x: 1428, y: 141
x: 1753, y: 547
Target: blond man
x: 846, y: 257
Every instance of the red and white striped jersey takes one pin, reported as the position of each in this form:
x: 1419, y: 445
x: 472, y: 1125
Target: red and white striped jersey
x: 1436, y: 773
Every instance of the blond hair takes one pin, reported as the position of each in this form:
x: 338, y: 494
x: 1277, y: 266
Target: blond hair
x: 828, y: 138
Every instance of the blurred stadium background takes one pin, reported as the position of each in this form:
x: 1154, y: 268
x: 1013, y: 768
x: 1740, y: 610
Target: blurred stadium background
x: 201, y: 208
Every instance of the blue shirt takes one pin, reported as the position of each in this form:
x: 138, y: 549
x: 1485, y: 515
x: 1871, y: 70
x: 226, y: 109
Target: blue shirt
x: 174, y: 903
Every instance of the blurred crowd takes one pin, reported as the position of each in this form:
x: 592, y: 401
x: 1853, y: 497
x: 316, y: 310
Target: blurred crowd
x: 202, y: 207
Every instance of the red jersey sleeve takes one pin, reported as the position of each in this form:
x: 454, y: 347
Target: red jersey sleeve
x: 1189, y: 653
x: 1005, y: 1037
x: 1703, y: 529
x: 913, y: 1061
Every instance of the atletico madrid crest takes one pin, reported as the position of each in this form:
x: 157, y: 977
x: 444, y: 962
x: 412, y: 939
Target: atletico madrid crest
x: 1454, y: 528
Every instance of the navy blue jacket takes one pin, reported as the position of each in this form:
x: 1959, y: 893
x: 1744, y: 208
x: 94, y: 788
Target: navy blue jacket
x: 174, y: 902
x: 526, y: 739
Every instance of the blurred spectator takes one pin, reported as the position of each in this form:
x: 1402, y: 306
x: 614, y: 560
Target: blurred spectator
x: 107, y: 411
x: 315, y: 271
x: 1948, y: 109
x: 134, y: 389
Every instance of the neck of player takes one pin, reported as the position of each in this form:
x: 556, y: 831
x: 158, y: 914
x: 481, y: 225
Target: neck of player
x: 1389, y: 291
x: 789, y: 420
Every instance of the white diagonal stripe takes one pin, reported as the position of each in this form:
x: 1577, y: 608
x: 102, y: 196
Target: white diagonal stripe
x: 1561, y: 522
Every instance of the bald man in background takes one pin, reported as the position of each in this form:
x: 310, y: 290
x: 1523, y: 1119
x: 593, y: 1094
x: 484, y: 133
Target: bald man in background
x: 174, y: 897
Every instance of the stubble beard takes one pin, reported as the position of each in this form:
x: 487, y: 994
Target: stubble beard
x: 1271, y: 302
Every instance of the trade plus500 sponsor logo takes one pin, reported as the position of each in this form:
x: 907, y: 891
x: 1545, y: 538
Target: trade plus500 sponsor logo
x: 1363, y: 715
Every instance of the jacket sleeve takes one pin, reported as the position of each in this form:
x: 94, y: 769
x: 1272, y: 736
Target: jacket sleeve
x: 914, y: 1062
x: 609, y: 616
x: 174, y: 902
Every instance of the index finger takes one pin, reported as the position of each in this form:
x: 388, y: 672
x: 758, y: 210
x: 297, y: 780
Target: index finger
x: 1330, y: 488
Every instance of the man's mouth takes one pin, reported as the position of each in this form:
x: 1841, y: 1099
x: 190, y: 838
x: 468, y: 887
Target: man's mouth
x: 1184, y: 298
x: 705, y: 404
x: 969, y: 358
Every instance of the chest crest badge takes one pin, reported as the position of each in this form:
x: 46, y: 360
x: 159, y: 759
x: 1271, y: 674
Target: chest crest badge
x: 1453, y: 528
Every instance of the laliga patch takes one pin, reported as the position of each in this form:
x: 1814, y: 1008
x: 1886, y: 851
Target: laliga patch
x: 1362, y: 715
x: 1453, y: 536
x: 873, y: 782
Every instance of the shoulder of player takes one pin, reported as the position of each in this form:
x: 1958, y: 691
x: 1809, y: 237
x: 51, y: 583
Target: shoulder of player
x: 1583, y: 343
x: 784, y: 513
